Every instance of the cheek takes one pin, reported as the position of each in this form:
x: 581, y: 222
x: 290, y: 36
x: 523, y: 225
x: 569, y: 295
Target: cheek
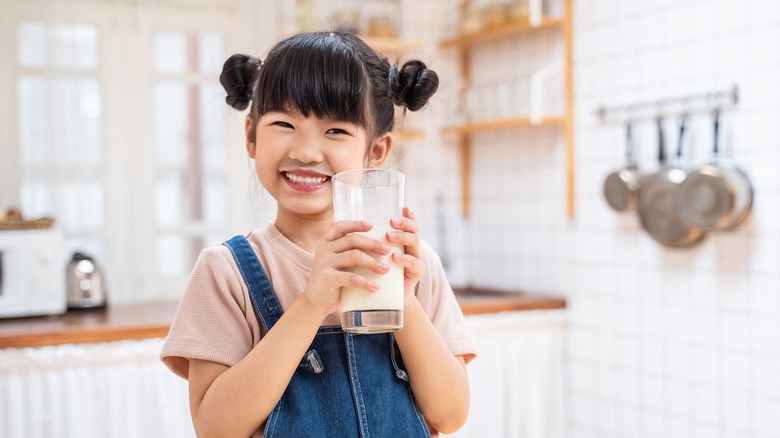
x: 355, y: 162
x: 352, y: 157
x: 264, y: 166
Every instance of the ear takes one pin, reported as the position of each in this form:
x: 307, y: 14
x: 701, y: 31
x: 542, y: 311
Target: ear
x: 380, y: 150
x: 249, y: 129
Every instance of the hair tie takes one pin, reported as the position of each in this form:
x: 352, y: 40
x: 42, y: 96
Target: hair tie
x: 392, y: 78
x: 254, y: 78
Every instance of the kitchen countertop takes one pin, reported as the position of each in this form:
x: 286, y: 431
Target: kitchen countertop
x: 480, y: 301
x: 152, y: 320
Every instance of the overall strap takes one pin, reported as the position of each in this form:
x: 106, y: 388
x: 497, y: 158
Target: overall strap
x: 261, y: 292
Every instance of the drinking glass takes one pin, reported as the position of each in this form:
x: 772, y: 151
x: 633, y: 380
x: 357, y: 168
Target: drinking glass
x: 373, y: 195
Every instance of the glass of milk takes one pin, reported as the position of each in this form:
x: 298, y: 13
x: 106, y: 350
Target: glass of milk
x: 373, y: 195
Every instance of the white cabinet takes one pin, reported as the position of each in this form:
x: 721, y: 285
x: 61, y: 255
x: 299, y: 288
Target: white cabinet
x: 517, y: 379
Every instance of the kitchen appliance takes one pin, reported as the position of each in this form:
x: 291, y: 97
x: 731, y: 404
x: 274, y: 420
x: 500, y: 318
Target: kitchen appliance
x: 657, y: 205
x: 32, y: 281
x: 86, y: 283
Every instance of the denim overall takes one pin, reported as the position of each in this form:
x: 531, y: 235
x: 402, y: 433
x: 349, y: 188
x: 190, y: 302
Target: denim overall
x: 346, y: 385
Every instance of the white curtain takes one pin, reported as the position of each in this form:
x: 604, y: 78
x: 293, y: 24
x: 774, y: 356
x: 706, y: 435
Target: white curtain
x: 517, y: 379
x: 112, y: 389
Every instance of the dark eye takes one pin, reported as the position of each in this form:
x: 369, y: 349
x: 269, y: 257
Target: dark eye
x: 336, y: 131
x: 283, y: 124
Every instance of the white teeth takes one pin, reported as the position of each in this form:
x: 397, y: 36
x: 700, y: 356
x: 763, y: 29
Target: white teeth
x: 308, y: 180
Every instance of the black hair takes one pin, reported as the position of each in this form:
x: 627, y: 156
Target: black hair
x: 328, y: 74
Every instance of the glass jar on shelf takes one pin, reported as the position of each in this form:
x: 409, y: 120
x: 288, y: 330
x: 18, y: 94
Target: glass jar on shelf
x: 522, y: 97
x: 381, y: 27
x: 519, y: 11
x: 471, y: 23
x: 505, y: 99
x: 496, y: 14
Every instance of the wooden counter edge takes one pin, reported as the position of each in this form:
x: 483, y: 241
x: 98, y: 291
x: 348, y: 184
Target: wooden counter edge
x: 474, y: 304
x: 90, y: 335
x: 534, y: 303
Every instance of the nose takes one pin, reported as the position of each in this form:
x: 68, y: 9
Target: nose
x: 306, y: 151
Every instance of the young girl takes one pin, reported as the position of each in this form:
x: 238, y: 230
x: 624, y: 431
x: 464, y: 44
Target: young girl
x: 257, y: 332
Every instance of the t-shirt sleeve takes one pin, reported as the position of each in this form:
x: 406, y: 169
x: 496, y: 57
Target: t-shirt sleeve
x: 210, y: 323
x: 438, y: 300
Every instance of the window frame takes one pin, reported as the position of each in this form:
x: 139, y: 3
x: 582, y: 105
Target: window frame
x: 127, y: 174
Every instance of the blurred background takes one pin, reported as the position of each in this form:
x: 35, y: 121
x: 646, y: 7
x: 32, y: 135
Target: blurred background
x: 113, y: 122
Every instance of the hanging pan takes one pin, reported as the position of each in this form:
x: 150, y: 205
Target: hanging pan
x: 716, y: 196
x: 622, y: 186
x: 657, y: 198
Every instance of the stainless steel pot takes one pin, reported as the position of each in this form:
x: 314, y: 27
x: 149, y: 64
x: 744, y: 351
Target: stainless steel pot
x: 717, y: 195
x: 657, y: 205
x: 621, y: 187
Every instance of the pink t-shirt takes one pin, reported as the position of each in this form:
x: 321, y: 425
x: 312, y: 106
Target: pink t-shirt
x: 215, y: 320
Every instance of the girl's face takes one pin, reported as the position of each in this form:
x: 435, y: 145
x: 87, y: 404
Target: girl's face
x: 296, y: 156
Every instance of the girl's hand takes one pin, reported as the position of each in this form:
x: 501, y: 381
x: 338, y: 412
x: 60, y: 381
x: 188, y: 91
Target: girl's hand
x: 338, y: 252
x: 414, y: 268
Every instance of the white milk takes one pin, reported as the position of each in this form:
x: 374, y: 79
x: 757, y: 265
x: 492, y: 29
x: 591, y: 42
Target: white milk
x: 390, y: 296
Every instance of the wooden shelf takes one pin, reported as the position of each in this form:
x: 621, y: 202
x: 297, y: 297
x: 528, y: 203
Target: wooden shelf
x: 514, y: 29
x: 409, y: 135
x: 392, y: 46
x: 500, y: 32
x: 491, y: 125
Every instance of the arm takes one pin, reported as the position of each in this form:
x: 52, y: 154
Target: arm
x: 235, y: 401
x: 438, y: 378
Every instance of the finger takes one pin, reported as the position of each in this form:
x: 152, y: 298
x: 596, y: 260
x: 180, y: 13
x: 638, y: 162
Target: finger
x: 404, y: 224
x: 414, y: 268
x: 340, y: 229
x: 362, y: 242
x: 348, y: 279
x: 409, y: 240
x: 407, y: 211
x: 357, y: 258
x: 413, y: 247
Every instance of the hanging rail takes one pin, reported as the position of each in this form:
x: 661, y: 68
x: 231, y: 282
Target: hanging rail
x: 692, y: 103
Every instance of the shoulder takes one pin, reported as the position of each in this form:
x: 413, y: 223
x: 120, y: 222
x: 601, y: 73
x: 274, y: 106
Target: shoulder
x: 215, y: 296
x: 214, y: 256
x: 260, y: 240
x: 216, y: 262
x: 216, y: 274
x: 218, y: 268
x: 220, y: 260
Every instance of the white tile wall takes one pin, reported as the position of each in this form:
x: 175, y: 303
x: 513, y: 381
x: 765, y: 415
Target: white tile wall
x: 664, y: 343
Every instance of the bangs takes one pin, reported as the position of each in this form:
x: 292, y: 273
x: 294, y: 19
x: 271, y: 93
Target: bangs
x: 317, y: 76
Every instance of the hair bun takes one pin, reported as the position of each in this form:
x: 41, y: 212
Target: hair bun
x: 237, y: 78
x: 413, y: 84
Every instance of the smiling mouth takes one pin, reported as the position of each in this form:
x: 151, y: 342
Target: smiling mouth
x: 306, y: 180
